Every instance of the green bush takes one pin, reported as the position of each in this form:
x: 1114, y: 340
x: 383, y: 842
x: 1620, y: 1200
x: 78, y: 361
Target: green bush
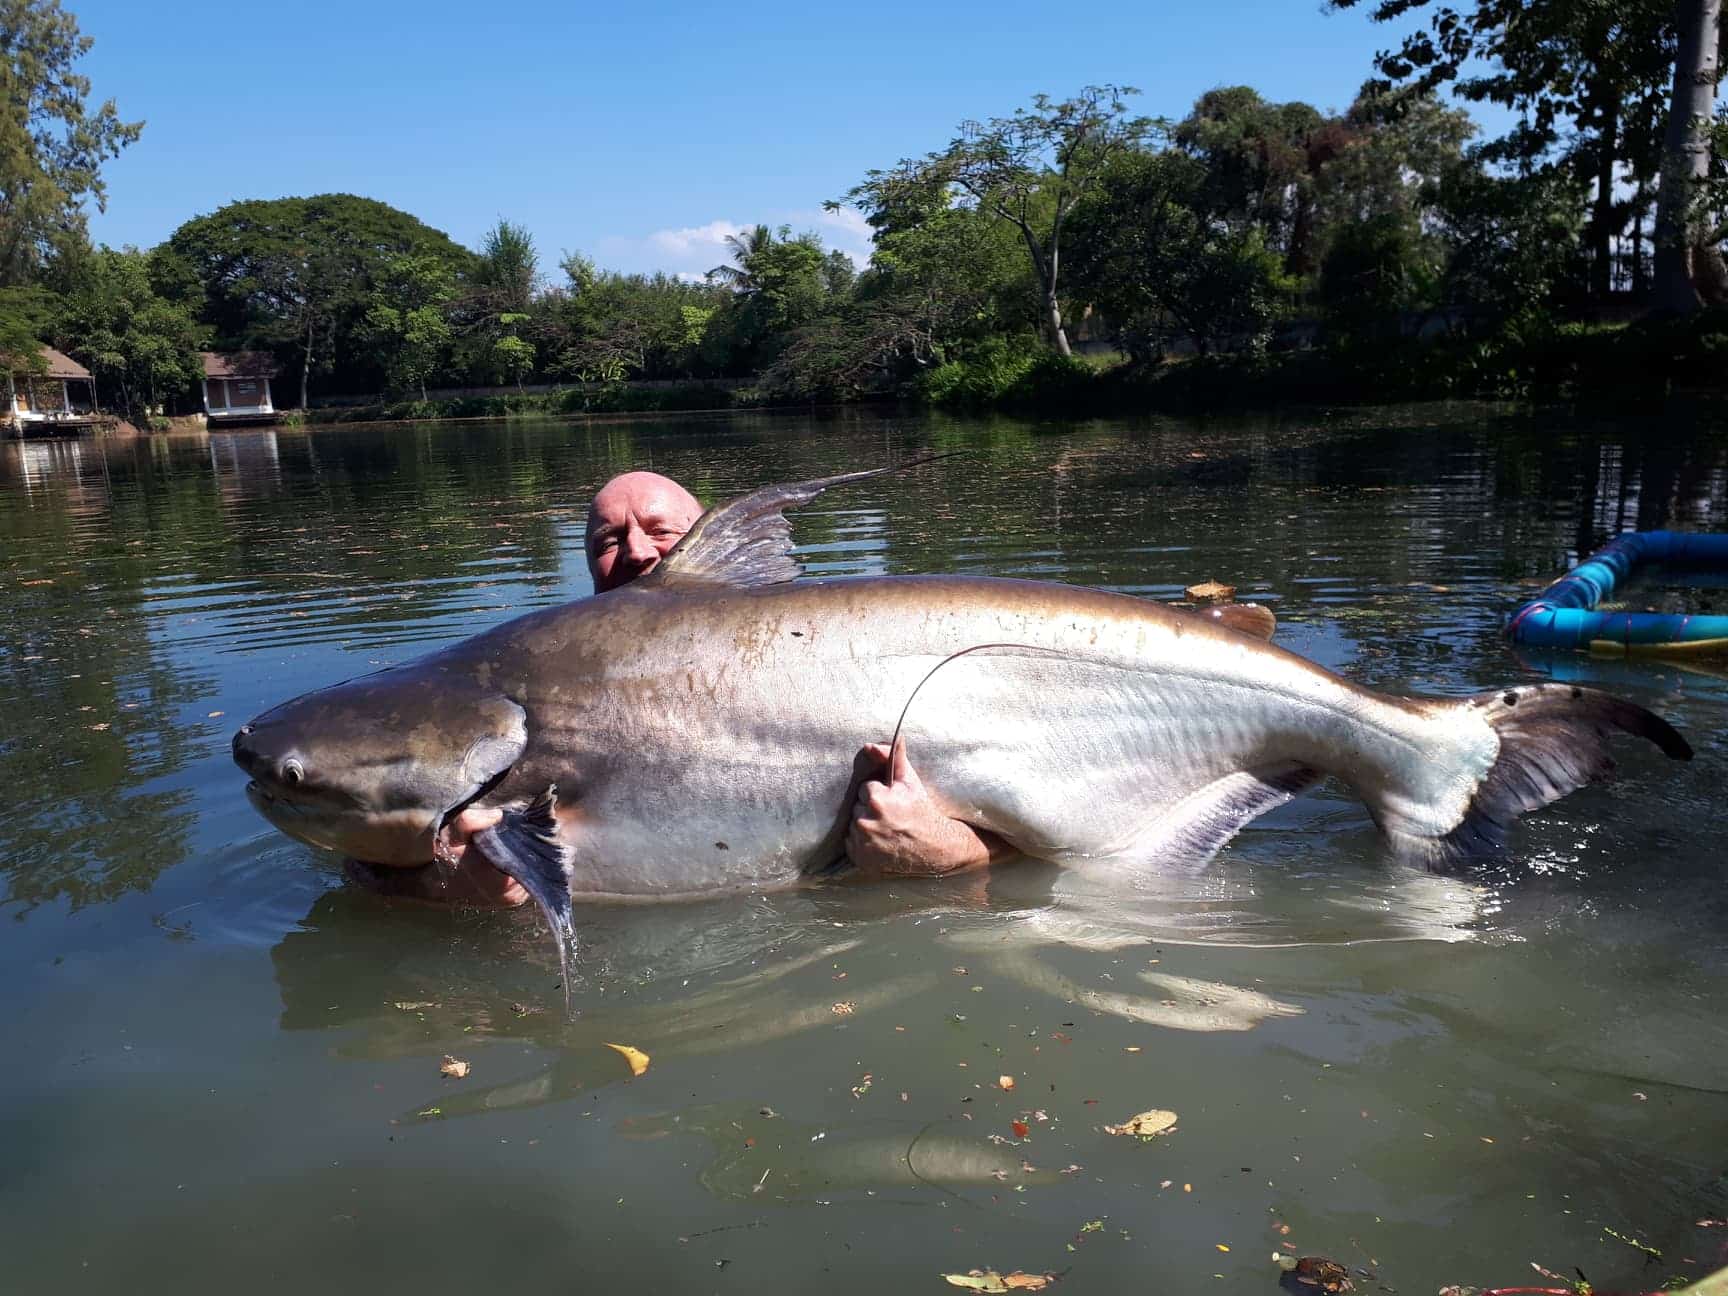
x: 984, y: 377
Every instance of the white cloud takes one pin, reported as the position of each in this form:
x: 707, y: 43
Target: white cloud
x: 708, y: 238
x: 690, y: 251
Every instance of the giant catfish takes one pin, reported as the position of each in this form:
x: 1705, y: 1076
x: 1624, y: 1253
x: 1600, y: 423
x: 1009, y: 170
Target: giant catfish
x: 695, y: 731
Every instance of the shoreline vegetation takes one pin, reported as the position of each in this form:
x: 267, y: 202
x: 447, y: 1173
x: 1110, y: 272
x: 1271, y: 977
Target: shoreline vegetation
x: 1644, y: 360
x: 1069, y: 258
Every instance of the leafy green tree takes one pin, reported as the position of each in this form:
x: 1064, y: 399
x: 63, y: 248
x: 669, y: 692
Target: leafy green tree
x: 141, y: 347
x: 498, y: 321
x: 514, y: 357
x: 776, y: 284
x: 1400, y: 148
x: 1588, y: 81
x: 1373, y: 273
x: 937, y: 285
x: 1160, y: 266
x: 52, y: 145
x: 299, y: 275
x: 1029, y: 170
x: 408, y: 321
x: 24, y: 315
x: 747, y: 248
x: 1511, y: 241
x: 506, y: 272
x: 604, y: 326
x: 1261, y: 163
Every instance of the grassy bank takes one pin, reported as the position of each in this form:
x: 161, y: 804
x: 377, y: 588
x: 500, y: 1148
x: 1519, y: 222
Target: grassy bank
x: 619, y: 399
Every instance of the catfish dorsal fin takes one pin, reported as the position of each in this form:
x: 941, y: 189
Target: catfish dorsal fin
x: 749, y: 541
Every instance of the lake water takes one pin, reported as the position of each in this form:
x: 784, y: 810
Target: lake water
x: 219, y: 1064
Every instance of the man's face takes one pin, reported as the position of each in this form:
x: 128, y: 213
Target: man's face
x: 633, y: 522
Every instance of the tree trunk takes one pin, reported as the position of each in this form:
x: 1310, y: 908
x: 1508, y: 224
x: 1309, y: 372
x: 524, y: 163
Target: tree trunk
x: 306, y: 363
x: 1053, y: 323
x: 1686, y: 150
x: 1602, y: 220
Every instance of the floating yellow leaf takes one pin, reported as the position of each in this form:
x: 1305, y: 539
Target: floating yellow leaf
x: 988, y: 1280
x: 1145, y: 1124
x: 453, y: 1067
x: 637, y: 1059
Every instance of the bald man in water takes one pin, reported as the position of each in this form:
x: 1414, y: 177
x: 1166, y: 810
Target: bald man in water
x: 633, y: 523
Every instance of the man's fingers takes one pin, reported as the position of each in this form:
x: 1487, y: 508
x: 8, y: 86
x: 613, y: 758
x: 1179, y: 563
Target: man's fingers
x: 475, y: 819
x: 899, y: 766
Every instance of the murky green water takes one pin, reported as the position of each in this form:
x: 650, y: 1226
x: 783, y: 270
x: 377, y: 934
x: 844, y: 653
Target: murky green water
x: 219, y: 1066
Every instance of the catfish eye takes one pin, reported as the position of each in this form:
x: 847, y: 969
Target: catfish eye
x: 293, y: 772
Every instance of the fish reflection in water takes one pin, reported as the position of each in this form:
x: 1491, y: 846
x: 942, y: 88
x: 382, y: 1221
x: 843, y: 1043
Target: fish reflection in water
x: 714, y: 977
x: 764, y: 1156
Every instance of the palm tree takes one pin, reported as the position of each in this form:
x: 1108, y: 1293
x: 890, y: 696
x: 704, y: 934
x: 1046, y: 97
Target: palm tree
x: 746, y: 246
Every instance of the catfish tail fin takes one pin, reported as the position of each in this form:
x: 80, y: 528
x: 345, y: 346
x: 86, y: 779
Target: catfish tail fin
x: 1552, y: 739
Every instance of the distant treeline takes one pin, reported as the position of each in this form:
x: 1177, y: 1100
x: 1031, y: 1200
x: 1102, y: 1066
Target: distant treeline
x: 1415, y: 256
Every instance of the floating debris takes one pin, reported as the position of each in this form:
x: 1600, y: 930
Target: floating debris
x: 1146, y: 1124
x: 637, y: 1059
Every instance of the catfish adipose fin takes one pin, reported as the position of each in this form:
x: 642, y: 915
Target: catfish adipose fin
x: 1254, y: 619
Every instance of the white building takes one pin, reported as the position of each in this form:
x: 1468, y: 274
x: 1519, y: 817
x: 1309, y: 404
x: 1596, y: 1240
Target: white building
x: 46, y: 402
x: 237, y: 387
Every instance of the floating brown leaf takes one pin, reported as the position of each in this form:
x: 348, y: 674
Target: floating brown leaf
x: 453, y: 1067
x: 1145, y: 1124
x: 1210, y: 591
x: 1315, y: 1271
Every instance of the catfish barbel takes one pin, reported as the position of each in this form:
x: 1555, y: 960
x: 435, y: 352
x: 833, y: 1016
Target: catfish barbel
x: 694, y: 732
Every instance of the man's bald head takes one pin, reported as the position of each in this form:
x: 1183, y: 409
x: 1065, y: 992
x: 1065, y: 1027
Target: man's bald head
x: 634, y: 520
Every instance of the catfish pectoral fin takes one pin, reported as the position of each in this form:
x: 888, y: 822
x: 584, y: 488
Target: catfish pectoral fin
x: 526, y: 845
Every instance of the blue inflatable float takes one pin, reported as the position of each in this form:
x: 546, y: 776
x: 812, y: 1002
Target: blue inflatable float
x: 1564, y: 615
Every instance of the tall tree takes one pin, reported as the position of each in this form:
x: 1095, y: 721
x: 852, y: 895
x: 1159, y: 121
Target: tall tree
x: 408, y: 320
x: 1682, y: 253
x: 1160, y: 264
x: 507, y: 269
x: 1587, y: 78
x: 52, y: 145
x: 298, y: 275
x: 1262, y: 161
x: 141, y: 347
x: 747, y: 247
x: 1029, y: 170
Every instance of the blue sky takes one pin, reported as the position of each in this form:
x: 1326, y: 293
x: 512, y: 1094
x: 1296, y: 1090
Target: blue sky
x: 638, y: 133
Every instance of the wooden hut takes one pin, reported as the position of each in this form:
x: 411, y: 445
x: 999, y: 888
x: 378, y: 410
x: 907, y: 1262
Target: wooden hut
x: 237, y: 387
x: 61, y: 398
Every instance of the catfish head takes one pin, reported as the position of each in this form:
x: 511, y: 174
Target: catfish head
x: 376, y: 767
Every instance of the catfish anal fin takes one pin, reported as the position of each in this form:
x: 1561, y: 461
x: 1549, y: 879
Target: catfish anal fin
x: 1199, y: 825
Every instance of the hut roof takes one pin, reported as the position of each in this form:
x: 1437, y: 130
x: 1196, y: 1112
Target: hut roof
x: 63, y: 366
x: 239, y: 364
